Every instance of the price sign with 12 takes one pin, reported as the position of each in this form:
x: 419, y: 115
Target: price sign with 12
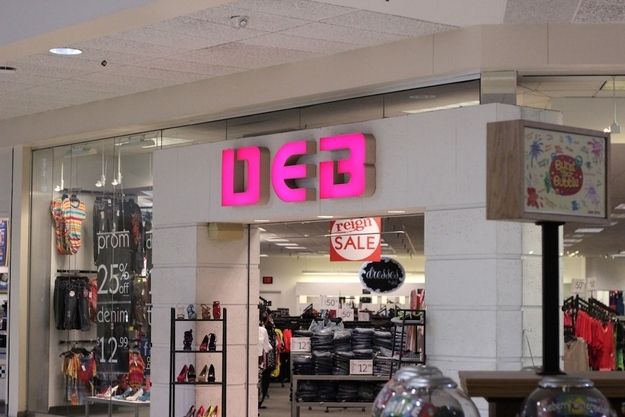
x: 361, y: 367
x: 300, y: 344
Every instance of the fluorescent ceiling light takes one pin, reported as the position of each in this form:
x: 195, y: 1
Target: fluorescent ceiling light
x: 325, y: 217
x: 612, y: 84
x: 263, y: 255
x: 396, y: 211
x: 589, y: 230
x: 295, y: 247
x: 577, y: 236
x: 65, y: 51
x: 620, y: 207
x: 261, y: 221
x: 287, y: 244
x: 384, y: 245
x: 261, y: 229
x: 572, y: 240
x: 276, y: 239
x: 445, y: 107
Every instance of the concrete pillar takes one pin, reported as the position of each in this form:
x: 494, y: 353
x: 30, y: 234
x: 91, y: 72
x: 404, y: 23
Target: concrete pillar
x: 477, y: 282
x: 192, y: 268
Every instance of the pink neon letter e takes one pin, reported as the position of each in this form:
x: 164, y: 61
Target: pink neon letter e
x: 352, y: 177
x: 285, y: 171
x: 244, y: 176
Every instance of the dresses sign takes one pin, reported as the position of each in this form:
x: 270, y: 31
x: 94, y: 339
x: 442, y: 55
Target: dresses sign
x: 382, y: 276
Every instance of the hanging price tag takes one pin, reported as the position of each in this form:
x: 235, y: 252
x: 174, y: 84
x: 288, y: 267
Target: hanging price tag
x: 578, y: 286
x: 300, y: 344
x: 347, y: 314
x: 329, y: 303
x: 361, y: 367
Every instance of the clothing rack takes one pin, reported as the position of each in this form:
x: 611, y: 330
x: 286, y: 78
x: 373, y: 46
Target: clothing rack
x: 76, y: 271
x: 592, y: 307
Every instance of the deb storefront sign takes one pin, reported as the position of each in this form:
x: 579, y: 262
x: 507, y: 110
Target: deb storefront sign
x: 539, y: 171
x: 347, y: 171
x: 356, y: 239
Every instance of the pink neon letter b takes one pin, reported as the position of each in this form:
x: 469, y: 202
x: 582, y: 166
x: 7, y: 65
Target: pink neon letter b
x: 352, y: 177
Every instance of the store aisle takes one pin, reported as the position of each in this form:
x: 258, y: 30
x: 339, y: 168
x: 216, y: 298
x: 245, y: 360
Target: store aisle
x: 278, y: 405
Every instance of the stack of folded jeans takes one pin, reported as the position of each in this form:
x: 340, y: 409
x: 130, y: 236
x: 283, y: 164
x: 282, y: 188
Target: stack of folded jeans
x: 382, y: 365
x: 382, y: 339
x: 362, y: 338
x: 327, y: 391
x: 323, y: 362
x: 367, y: 392
x: 347, y: 391
x: 322, y: 340
x: 363, y: 353
x: 341, y: 363
x: 303, y: 365
x: 342, y: 340
x: 307, y: 391
x: 302, y: 333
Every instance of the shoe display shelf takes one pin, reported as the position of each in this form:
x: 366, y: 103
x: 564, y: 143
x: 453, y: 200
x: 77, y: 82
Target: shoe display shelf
x: 409, y: 318
x: 174, y: 351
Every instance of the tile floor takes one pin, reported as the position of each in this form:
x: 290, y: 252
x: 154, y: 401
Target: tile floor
x: 278, y: 405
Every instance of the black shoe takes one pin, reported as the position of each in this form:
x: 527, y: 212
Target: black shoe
x: 211, y: 374
x: 191, y: 374
x: 212, y: 344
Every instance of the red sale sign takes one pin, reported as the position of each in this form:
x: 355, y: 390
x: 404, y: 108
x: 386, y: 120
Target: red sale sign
x: 356, y: 239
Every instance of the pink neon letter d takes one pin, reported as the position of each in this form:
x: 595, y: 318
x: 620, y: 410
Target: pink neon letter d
x: 244, y: 176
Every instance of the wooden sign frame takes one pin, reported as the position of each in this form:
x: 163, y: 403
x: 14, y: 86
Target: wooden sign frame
x: 505, y: 177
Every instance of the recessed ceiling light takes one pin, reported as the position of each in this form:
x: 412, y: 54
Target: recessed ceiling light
x: 589, y: 230
x: 7, y: 70
x: 65, y: 51
x: 531, y: 252
x: 325, y: 217
x: 396, y: 211
x: 261, y: 221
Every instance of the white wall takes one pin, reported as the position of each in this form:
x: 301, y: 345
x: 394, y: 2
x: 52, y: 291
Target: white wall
x: 610, y: 273
x: 287, y: 273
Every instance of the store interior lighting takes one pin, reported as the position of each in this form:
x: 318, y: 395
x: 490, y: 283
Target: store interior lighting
x: 118, y: 180
x: 101, y: 182
x: 62, y: 185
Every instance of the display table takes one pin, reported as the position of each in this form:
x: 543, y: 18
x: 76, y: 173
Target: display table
x: 505, y: 391
x: 112, y: 401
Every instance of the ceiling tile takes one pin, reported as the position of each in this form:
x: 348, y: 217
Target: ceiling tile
x: 280, y: 40
x: 342, y: 34
x: 187, y: 31
x: 78, y: 63
x: 540, y: 11
x: 132, y: 84
x: 202, y: 68
x: 245, y: 56
x: 112, y: 57
x: 258, y: 20
x: 301, y: 9
x: 177, y: 77
x: 601, y: 11
x: 386, y: 23
x: 112, y: 43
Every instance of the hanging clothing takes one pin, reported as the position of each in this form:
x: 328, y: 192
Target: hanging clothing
x: 576, y: 356
x: 71, y: 302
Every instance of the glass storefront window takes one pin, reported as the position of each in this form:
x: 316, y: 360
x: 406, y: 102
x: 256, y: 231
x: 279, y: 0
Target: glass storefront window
x: 90, y: 267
